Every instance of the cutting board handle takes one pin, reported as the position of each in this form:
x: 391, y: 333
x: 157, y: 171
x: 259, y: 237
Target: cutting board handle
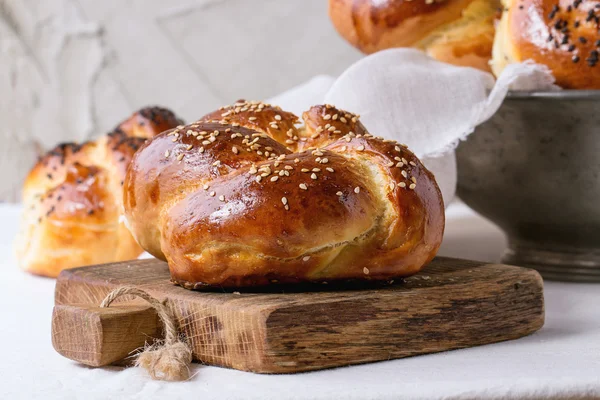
x: 99, y: 336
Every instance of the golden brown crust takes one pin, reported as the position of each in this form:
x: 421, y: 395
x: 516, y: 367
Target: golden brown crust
x: 262, y: 117
x: 459, y: 32
x: 228, y: 205
x: 148, y: 122
x: 73, y: 200
x: 564, y: 35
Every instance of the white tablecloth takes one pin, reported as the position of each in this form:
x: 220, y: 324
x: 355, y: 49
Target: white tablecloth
x: 560, y: 361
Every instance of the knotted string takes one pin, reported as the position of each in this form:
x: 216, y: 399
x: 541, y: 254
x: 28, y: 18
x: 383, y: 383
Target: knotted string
x: 168, y: 359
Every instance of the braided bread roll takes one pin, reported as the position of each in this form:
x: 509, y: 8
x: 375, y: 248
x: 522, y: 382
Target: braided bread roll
x: 459, y: 32
x: 563, y: 35
x: 73, y: 199
x: 243, y: 197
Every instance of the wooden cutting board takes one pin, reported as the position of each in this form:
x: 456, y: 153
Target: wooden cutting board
x: 452, y: 304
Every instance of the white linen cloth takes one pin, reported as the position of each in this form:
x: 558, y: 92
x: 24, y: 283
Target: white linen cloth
x: 405, y: 95
x: 560, y: 361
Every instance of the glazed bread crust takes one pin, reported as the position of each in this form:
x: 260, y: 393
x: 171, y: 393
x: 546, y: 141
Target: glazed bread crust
x: 460, y: 32
x: 564, y: 35
x: 73, y: 199
x: 243, y: 197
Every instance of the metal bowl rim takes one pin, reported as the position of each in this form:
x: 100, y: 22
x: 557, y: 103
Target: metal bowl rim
x: 556, y: 95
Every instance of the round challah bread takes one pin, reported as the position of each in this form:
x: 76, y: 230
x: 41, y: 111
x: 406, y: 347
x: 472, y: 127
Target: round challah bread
x: 242, y: 197
x: 459, y: 32
x: 564, y: 35
x: 73, y: 199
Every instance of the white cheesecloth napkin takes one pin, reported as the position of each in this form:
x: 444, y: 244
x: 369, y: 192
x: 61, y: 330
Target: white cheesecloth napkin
x: 405, y: 95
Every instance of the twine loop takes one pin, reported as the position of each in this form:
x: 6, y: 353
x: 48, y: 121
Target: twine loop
x: 168, y: 359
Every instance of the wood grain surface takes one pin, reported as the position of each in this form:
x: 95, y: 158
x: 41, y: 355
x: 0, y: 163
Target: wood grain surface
x: 452, y: 304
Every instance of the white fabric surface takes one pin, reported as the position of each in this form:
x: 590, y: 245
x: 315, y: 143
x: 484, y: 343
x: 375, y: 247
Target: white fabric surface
x: 562, y: 360
x: 405, y: 95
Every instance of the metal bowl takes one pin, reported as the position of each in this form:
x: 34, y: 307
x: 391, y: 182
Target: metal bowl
x: 534, y: 170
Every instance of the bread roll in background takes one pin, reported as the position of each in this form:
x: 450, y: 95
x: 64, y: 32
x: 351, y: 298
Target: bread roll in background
x: 73, y: 199
x: 564, y: 35
x: 460, y: 32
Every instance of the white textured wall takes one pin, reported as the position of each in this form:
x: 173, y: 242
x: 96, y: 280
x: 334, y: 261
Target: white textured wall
x: 71, y: 69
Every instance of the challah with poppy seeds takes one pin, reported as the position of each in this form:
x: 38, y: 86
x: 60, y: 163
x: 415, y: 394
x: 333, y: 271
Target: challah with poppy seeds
x: 73, y: 199
x: 243, y: 197
x: 561, y: 34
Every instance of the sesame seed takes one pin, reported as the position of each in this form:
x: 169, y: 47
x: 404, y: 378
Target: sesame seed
x: 313, y: 176
x: 212, y: 194
x: 366, y: 271
x: 288, y: 167
x: 258, y: 179
x: 278, y: 117
x: 357, y: 190
x: 205, y: 187
x: 303, y: 186
x: 324, y: 161
x: 316, y: 170
x: 360, y: 148
x: 190, y: 147
x: 392, y: 186
x: 339, y: 193
x: 414, y: 164
x: 329, y: 169
x: 201, y: 150
x: 252, y: 118
x: 235, y: 150
x: 174, y: 139
x: 305, y: 170
x: 412, y: 178
x: 274, y: 178
x: 327, y: 117
x: 344, y: 120
x: 412, y: 186
x: 402, y: 184
x: 305, y: 258
x: 180, y: 157
x: 253, y: 170
x: 167, y: 153
x: 284, y: 200
x: 222, y: 198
